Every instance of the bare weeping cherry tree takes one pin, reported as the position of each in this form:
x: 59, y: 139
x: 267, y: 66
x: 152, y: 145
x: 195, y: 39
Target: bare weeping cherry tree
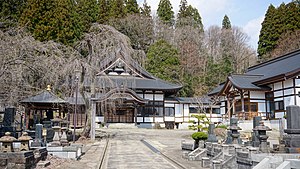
x: 99, y: 48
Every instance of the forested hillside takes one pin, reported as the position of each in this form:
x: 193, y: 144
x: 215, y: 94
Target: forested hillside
x: 44, y: 41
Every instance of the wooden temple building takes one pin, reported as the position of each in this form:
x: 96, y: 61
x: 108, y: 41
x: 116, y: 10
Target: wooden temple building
x: 263, y: 90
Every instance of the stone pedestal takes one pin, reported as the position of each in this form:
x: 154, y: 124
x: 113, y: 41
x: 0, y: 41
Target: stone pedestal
x: 56, y: 139
x: 216, y: 164
x: 63, y: 138
x: 23, y: 159
x: 292, y: 137
x: 205, y: 162
x: 7, y: 142
x: 262, y: 136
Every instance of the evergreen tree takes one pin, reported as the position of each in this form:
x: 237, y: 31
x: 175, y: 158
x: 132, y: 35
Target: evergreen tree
x: 146, y: 9
x: 183, y: 12
x: 265, y: 44
x: 226, y: 23
x: 163, y: 61
x: 88, y: 10
x: 189, y: 16
x: 286, y: 18
x: 117, y: 9
x: 52, y: 20
x: 10, y: 11
x: 132, y: 7
x: 165, y: 13
x: 104, y: 11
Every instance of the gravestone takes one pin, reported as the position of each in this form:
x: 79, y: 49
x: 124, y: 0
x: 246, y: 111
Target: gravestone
x: 255, y: 140
x: 211, y: 135
x: 292, y: 137
x: 9, y: 117
x: 38, y: 136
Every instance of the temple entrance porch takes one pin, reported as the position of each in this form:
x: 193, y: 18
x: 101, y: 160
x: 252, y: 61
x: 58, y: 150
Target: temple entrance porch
x: 120, y: 115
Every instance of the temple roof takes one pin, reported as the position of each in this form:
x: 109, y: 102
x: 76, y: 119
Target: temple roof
x: 122, y: 71
x: 43, y: 97
x: 259, y: 76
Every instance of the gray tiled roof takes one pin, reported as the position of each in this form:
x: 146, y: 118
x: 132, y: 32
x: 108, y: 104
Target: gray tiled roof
x: 281, y: 66
x: 133, y: 83
x: 278, y: 66
x: 44, y: 97
x: 193, y: 100
x: 246, y: 82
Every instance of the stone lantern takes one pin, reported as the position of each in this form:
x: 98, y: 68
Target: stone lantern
x: 24, y: 139
x: 262, y: 136
x: 235, y: 134
x: 7, y: 142
x: 56, y: 138
x: 56, y: 121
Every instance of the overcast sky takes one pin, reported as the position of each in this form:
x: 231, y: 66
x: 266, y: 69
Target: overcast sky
x: 242, y: 13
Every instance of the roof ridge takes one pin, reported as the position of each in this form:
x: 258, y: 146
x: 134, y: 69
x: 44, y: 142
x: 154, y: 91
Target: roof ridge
x: 254, y: 75
x: 282, y: 57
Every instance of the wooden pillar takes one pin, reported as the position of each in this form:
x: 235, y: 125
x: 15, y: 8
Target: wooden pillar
x: 243, y: 102
x: 135, y: 114
x: 228, y: 107
x: 93, y: 116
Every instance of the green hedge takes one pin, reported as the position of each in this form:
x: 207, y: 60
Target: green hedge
x: 199, y: 136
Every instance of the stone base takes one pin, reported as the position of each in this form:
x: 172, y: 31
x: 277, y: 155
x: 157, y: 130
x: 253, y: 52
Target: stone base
x: 36, y: 144
x: 24, y: 160
x: 292, y: 150
x: 212, y: 138
x: 292, y: 143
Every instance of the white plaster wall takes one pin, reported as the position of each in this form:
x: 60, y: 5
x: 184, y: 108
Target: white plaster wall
x: 148, y: 119
x: 289, y: 101
x: 297, y: 82
x: 169, y: 105
x: 279, y: 114
x: 186, y: 111
x: 159, y: 119
x: 261, y: 107
x: 149, y: 96
x: 169, y: 118
x: 223, y: 110
x: 178, y: 110
x: 257, y: 94
x: 159, y: 97
x: 288, y: 83
x: 179, y: 120
x: 139, y: 119
x: 289, y: 91
x: 278, y: 93
x: 277, y: 86
x: 99, y: 119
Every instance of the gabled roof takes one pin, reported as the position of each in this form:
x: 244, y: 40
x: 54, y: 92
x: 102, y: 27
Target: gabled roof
x: 258, y: 76
x: 243, y: 82
x: 277, y: 69
x: 44, y: 97
x: 133, y: 76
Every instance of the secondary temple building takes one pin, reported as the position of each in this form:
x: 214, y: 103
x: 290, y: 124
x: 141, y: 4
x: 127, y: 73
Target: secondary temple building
x: 263, y: 90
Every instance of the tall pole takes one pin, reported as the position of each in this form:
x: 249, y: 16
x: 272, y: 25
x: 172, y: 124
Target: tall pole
x: 75, y: 113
